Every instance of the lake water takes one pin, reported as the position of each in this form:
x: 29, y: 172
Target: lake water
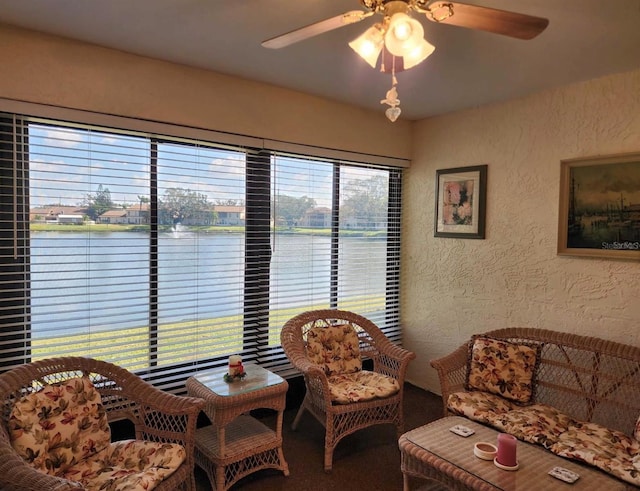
x: 199, y: 276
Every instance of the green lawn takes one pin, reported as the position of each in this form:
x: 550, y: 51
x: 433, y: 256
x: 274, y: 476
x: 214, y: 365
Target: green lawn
x: 179, y: 342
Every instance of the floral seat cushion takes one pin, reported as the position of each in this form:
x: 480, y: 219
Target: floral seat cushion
x: 483, y: 407
x: 335, y: 348
x: 62, y: 430
x: 361, y: 386
x: 537, y: 423
x: 609, y: 450
x: 128, y: 465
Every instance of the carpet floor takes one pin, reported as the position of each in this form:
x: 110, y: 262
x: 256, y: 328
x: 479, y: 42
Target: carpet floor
x: 368, y: 459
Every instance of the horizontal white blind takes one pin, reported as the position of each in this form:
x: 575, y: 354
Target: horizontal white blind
x: 369, y: 267
x: 200, y: 259
x: 301, y: 265
x: 167, y: 255
x: 88, y: 284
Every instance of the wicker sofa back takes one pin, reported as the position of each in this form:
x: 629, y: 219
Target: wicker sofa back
x: 587, y: 378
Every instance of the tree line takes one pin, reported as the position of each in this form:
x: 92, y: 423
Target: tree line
x: 363, y: 203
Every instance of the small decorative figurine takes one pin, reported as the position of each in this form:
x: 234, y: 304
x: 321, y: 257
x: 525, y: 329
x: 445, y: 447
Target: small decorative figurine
x: 236, y: 370
x: 393, y: 111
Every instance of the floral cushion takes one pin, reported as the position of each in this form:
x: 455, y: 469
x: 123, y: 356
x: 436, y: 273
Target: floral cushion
x: 335, y: 348
x: 62, y: 430
x: 479, y: 406
x: 346, y: 388
x: 501, y: 367
x: 609, y: 450
x: 538, y: 423
x: 128, y: 465
x: 59, y: 426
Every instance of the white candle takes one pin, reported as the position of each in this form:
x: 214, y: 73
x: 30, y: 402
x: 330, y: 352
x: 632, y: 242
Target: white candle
x: 235, y: 366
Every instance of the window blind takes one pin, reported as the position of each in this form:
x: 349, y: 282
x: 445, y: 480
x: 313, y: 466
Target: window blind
x: 166, y: 255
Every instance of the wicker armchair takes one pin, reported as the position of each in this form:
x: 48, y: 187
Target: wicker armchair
x: 342, y: 419
x: 157, y: 416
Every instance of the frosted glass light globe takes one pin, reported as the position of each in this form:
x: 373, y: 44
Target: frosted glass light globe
x: 403, y: 34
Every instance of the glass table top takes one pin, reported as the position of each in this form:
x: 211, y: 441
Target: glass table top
x: 534, y: 461
x: 256, y: 378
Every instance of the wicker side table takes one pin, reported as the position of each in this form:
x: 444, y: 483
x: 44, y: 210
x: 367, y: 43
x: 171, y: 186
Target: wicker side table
x: 236, y: 444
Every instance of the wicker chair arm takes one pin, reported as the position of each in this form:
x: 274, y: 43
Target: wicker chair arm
x: 452, y: 372
x: 174, y: 418
x: 306, y: 366
x: 393, y: 361
x: 401, y: 353
x: 18, y: 475
x: 316, y: 379
x: 318, y: 389
x: 313, y: 371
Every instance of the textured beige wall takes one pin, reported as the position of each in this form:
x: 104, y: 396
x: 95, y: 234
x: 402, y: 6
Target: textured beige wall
x: 50, y: 70
x: 453, y: 288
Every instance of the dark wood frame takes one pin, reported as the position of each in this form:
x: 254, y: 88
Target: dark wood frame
x: 476, y: 230
x: 590, y: 224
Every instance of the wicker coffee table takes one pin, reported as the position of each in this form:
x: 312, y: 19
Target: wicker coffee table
x: 434, y: 452
x: 236, y: 444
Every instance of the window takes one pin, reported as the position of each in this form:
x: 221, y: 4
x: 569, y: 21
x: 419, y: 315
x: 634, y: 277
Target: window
x: 166, y: 255
x: 339, y: 255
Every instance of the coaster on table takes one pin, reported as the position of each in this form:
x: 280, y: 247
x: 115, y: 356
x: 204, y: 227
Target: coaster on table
x: 462, y: 430
x: 564, y: 474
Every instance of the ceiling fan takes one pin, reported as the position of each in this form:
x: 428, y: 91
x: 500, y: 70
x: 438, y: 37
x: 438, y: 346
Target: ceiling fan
x: 458, y: 14
x: 400, y: 37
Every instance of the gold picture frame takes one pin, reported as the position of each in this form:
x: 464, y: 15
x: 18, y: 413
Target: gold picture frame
x: 600, y: 207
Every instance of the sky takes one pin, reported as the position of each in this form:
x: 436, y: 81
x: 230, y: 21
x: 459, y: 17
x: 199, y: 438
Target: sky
x: 599, y: 186
x: 66, y: 164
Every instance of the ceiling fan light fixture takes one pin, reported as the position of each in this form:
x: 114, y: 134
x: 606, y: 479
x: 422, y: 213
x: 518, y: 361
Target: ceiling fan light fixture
x: 369, y: 45
x: 400, y: 38
x: 403, y: 34
x: 418, y: 54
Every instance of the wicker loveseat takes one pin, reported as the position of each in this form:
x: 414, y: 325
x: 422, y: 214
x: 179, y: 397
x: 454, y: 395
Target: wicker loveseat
x: 327, y: 347
x: 54, y: 431
x: 577, y: 396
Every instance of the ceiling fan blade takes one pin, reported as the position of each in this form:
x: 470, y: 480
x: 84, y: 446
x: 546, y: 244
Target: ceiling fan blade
x: 511, y: 24
x: 311, y: 30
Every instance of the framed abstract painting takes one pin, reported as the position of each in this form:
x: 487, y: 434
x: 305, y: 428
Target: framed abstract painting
x: 461, y: 197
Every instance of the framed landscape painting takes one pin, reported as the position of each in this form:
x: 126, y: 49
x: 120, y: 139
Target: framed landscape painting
x: 461, y: 202
x: 600, y: 207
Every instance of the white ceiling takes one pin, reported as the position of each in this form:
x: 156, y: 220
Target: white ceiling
x: 585, y: 39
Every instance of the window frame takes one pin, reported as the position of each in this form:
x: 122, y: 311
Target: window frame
x: 15, y: 348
